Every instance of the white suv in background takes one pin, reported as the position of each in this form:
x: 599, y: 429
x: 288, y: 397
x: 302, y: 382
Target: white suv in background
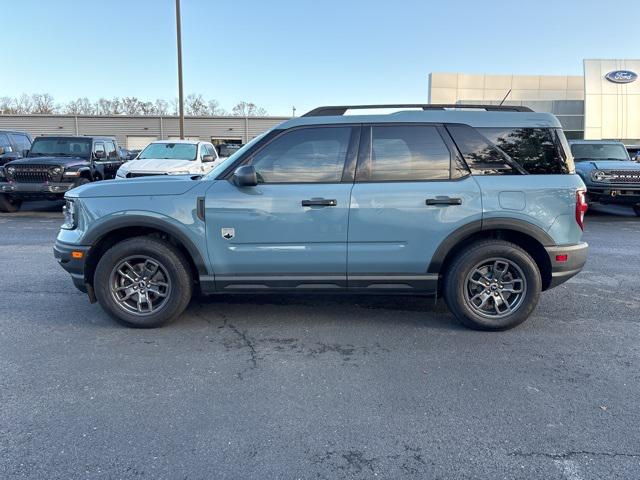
x: 171, y: 157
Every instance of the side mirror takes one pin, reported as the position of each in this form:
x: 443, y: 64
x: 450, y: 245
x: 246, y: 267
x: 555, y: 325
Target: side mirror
x: 208, y: 158
x: 25, y: 152
x: 99, y: 154
x: 245, y: 176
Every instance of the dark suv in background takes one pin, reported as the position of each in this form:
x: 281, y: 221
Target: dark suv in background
x: 13, y: 145
x: 55, y: 165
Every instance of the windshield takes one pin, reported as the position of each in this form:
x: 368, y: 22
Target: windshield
x: 598, y: 151
x: 169, y: 151
x: 222, y: 166
x: 61, y: 147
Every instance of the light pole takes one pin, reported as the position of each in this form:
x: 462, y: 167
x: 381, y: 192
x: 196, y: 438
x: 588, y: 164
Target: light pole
x: 180, y: 94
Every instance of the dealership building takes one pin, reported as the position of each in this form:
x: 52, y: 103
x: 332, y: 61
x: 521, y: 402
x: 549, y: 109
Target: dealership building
x: 602, y: 104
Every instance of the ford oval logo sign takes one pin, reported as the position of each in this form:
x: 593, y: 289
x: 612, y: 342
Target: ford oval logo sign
x: 621, y: 76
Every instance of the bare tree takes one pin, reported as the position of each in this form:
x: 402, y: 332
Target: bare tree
x: 24, y: 104
x: 104, y: 106
x: 7, y: 105
x: 80, y: 106
x: 248, y: 109
x: 195, y: 105
x: 43, y: 103
x: 147, y: 108
x: 216, y: 109
x: 162, y: 107
x: 131, y: 106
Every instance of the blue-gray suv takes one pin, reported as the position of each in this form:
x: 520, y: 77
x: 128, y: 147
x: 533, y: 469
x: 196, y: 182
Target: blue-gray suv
x: 609, y: 173
x: 480, y: 205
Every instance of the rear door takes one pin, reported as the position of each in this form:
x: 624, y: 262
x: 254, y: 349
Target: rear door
x: 410, y: 194
x: 291, y: 229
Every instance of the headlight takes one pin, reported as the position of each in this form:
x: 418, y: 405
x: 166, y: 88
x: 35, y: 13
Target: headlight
x: 71, y: 174
x: 181, y: 172
x: 70, y: 215
x: 56, y: 170
x: 11, y: 170
x: 599, y: 176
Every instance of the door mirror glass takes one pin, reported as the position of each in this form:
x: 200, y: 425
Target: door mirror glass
x: 245, y: 176
x: 208, y: 158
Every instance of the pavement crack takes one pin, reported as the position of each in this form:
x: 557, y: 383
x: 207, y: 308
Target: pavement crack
x: 573, y: 453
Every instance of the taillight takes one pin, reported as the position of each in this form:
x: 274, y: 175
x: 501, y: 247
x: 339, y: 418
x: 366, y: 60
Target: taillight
x: 581, y: 207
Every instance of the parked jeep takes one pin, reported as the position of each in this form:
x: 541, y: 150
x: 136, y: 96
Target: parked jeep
x: 55, y: 165
x: 481, y: 207
x: 608, y: 172
x: 13, y: 145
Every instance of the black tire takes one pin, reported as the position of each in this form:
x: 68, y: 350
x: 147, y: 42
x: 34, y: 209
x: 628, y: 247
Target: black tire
x: 459, y: 285
x: 8, y: 204
x: 636, y: 209
x: 173, y: 265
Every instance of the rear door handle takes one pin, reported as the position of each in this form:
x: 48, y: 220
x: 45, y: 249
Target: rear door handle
x: 444, y: 201
x: 319, y: 202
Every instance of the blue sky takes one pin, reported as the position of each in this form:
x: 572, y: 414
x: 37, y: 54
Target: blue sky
x: 303, y: 53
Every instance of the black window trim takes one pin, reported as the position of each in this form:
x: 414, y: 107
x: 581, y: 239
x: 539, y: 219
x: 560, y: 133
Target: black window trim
x: 348, y: 170
x: 363, y: 174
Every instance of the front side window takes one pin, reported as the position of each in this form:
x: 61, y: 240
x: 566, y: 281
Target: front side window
x: 110, y: 149
x: 407, y: 153
x: 22, y: 141
x: 4, y: 141
x: 98, y: 147
x: 61, y: 147
x: 170, y: 151
x: 305, y: 155
x: 534, y: 149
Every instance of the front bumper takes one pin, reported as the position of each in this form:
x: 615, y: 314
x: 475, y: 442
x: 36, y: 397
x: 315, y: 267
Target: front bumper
x: 563, y: 269
x: 612, y: 194
x: 74, y: 264
x: 35, y: 189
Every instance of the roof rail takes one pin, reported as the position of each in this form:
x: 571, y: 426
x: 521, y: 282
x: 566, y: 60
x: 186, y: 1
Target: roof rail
x: 340, y: 110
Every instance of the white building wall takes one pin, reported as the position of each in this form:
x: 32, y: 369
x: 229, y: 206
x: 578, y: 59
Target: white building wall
x: 612, y: 110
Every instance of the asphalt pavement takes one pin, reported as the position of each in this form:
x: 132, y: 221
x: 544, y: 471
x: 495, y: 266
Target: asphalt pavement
x: 338, y: 387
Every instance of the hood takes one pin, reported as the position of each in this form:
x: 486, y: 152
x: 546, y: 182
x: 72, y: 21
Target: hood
x: 608, y: 165
x: 66, y: 161
x: 157, y: 165
x: 136, y: 187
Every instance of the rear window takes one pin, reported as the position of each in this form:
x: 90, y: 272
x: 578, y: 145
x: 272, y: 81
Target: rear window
x: 500, y: 151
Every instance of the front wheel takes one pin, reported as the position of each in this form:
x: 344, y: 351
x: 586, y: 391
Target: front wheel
x: 8, y: 204
x: 492, y: 285
x: 143, y: 282
x: 636, y: 209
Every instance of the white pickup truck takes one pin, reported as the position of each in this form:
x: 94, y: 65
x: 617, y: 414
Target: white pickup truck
x: 171, y: 157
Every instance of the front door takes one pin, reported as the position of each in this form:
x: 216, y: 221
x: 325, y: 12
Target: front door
x: 408, y: 197
x: 289, y: 231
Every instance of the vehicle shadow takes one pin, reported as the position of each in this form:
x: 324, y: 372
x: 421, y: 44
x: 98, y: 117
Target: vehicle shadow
x: 390, y: 309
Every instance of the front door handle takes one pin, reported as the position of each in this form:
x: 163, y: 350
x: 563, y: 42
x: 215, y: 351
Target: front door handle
x: 444, y: 201
x: 320, y: 202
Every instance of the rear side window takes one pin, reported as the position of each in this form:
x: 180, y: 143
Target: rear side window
x: 536, y: 150
x: 482, y: 157
x: 407, y: 153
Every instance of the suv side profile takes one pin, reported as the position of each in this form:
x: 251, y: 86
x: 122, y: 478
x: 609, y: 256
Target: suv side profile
x: 482, y: 207
x: 55, y: 165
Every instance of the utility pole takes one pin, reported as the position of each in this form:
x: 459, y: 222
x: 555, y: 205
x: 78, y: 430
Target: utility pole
x: 180, y: 93
x: 294, y: 111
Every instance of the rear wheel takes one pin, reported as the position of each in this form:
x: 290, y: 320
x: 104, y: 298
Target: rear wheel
x: 143, y: 282
x: 81, y: 181
x: 8, y: 204
x: 492, y: 285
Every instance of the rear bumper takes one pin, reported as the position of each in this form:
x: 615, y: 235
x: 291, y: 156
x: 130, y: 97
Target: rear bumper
x: 63, y: 252
x: 561, y: 269
x: 35, y: 189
